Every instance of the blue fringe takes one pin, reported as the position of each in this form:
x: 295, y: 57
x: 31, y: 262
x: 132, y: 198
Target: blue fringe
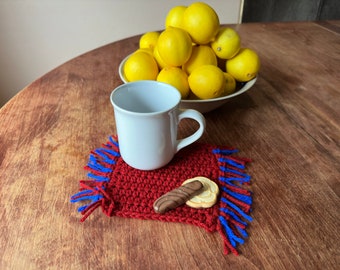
x: 241, y: 197
x: 113, y: 141
x: 230, y: 180
x: 94, y: 164
x: 98, y: 178
x: 230, y: 234
x: 232, y: 163
x: 237, y: 178
x: 75, y: 197
x: 224, y: 151
x: 242, y: 213
x: 102, y: 155
x: 233, y: 215
x: 243, y: 176
x: 242, y: 231
x: 85, y: 195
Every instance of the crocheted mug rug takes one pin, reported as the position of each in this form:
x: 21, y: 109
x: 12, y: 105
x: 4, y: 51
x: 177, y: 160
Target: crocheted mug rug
x: 123, y: 191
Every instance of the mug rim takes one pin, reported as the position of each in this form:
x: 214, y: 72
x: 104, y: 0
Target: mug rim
x: 145, y: 82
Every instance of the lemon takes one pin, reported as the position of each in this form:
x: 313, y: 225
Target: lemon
x: 140, y: 66
x: 201, y: 22
x: 176, y: 77
x: 158, y: 58
x: 174, y: 46
x: 147, y: 50
x: 148, y: 40
x: 201, y: 55
x: 230, y: 85
x: 227, y: 43
x: 174, y: 17
x: 207, y: 82
x: 244, y: 66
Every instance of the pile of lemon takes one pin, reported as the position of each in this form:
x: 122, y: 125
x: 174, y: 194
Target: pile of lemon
x: 194, y: 53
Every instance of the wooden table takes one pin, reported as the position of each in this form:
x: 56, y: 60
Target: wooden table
x: 288, y: 124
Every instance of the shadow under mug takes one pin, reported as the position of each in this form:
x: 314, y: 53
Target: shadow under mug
x: 147, y: 115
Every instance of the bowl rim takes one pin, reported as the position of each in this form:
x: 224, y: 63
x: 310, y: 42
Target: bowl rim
x: 243, y: 89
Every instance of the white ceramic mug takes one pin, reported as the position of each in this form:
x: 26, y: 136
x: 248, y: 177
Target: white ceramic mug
x: 147, y: 118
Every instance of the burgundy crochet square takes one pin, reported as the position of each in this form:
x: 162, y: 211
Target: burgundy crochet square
x: 121, y: 190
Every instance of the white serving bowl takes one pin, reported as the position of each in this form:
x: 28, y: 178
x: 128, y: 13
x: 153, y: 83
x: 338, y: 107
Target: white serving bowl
x: 200, y: 105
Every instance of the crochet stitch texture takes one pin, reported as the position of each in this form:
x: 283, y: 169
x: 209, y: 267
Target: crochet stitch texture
x: 121, y: 190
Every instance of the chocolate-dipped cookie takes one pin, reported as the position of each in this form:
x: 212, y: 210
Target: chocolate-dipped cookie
x: 177, y: 197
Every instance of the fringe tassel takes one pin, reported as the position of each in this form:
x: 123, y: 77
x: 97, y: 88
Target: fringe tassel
x: 235, y: 200
x: 93, y: 191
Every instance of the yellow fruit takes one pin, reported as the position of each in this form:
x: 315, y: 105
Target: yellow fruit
x: 149, y: 40
x: 176, y: 77
x: 244, y: 66
x: 207, y: 82
x: 201, y: 55
x: 227, y: 43
x: 174, y: 46
x: 158, y: 58
x: 147, y: 50
x: 230, y: 85
x: 174, y: 17
x: 201, y: 22
x: 140, y: 66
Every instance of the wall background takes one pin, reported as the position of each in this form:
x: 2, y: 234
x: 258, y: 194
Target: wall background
x: 39, y: 35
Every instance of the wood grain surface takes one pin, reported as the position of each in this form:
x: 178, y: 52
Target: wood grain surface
x: 288, y: 124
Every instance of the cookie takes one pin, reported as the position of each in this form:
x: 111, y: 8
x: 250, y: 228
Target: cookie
x: 177, y: 197
x: 207, y: 197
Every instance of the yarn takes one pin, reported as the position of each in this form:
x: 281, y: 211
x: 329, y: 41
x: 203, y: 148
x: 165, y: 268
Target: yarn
x: 123, y: 191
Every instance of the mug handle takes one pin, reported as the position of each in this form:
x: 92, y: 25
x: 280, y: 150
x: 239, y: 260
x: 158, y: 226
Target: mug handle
x: 197, y: 116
